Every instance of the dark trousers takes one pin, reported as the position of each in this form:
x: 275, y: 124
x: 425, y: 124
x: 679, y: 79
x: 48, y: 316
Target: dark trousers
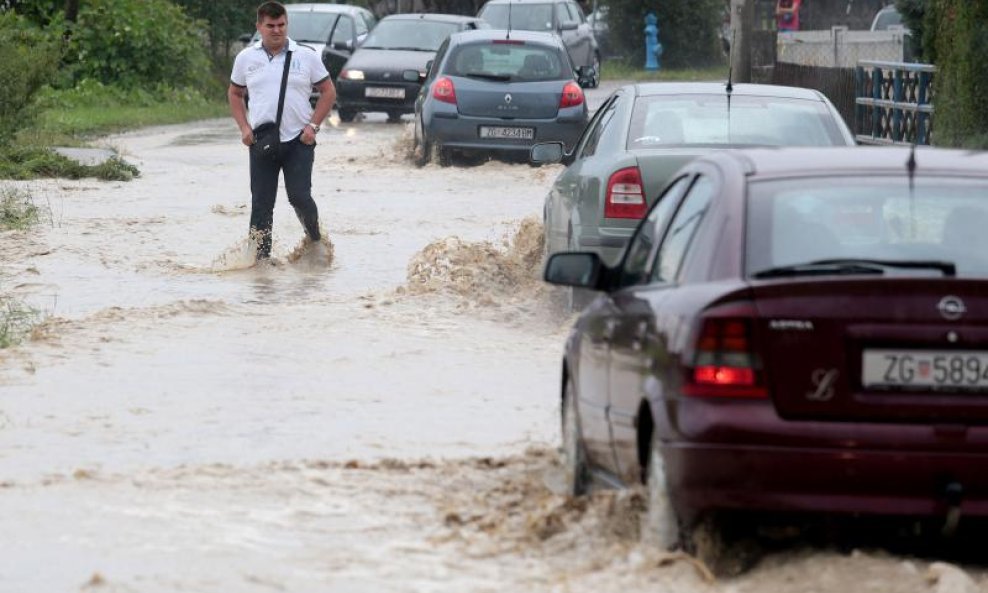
x: 296, y: 163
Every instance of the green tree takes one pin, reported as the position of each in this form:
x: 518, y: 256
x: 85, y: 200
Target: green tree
x: 138, y: 42
x: 960, y: 28
x: 28, y: 60
x: 687, y: 29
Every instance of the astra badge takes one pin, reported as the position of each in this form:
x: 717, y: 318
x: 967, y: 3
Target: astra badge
x: 951, y: 308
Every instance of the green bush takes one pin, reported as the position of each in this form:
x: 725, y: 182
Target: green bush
x: 687, y: 30
x: 137, y: 43
x: 28, y: 60
x: 961, y: 38
x: 17, y: 209
x: 34, y: 162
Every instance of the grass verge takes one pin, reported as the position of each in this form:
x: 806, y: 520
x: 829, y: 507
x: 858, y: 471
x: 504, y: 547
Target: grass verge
x: 623, y: 69
x: 17, y: 209
x: 30, y: 162
x: 17, y: 320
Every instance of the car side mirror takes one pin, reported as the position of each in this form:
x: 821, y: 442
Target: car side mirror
x: 568, y: 25
x: 585, y: 76
x: 572, y: 268
x: 546, y: 152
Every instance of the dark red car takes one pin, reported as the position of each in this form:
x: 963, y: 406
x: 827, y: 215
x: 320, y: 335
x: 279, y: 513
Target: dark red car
x: 790, y: 330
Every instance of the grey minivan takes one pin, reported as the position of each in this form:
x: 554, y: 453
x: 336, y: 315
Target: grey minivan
x: 565, y: 18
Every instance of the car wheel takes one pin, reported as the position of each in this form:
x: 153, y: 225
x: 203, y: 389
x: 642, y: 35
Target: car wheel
x: 660, y: 525
x: 576, y: 474
x: 595, y: 81
x: 394, y: 117
x: 421, y: 151
x: 347, y: 115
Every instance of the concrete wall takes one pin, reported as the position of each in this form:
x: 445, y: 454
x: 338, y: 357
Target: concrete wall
x: 840, y: 48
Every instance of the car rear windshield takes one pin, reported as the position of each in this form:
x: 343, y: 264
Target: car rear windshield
x: 413, y: 35
x: 526, y: 17
x: 798, y: 221
x: 311, y: 26
x: 513, y: 61
x: 660, y: 121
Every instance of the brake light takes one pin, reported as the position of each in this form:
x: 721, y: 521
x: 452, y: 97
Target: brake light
x: 508, y: 42
x: 725, y: 363
x: 625, y: 196
x: 572, y: 95
x: 443, y: 90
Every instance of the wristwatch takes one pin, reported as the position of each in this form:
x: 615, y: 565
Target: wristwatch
x: 315, y: 127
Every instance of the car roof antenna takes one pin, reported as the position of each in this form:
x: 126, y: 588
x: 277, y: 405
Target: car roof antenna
x: 730, y: 85
x: 508, y: 34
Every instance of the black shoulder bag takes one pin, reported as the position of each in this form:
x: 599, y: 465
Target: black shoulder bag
x: 267, y: 136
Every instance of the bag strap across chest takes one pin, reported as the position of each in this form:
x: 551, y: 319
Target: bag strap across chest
x: 281, y: 93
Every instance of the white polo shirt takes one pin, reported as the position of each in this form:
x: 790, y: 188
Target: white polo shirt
x: 260, y: 73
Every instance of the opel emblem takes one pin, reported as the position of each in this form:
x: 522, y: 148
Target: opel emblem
x: 951, y: 308
x: 507, y: 98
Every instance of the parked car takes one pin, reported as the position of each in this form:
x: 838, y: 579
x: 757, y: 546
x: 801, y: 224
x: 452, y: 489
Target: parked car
x: 800, y: 330
x: 562, y: 17
x: 333, y: 30
x: 494, y: 91
x: 377, y: 78
x: 601, y: 30
x: 644, y: 132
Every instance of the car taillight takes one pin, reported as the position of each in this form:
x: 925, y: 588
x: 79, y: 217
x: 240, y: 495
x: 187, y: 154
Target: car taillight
x: 724, y: 362
x: 625, y: 195
x: 443, y: 90
x: 572, y: 95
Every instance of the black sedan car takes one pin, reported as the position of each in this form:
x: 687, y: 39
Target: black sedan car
x: 789, y: 330
x: 385, y: 73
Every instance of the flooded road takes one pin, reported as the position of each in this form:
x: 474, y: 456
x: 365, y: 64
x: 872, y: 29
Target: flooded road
x: 375, y: 414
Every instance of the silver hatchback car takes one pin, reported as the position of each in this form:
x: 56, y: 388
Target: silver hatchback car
x: 498, y: 91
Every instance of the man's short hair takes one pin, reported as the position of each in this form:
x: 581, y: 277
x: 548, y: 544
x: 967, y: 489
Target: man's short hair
x: 272, y: 10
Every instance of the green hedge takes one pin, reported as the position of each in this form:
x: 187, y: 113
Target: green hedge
x: 961, y: 41
x: 687, y: 30
x: 28, y: 60
x: 138, y: 43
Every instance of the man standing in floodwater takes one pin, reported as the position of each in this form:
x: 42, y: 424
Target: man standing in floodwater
x: 257, y: 72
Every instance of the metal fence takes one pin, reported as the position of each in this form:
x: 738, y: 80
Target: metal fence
x: 839, y: 47
x: 894, y: 103
x: 837, y: 84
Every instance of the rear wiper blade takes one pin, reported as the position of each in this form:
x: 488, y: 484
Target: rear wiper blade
x: 822, y: 267
x: 497, y: 77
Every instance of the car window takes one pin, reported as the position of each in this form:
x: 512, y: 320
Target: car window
x: 635, y: 264
x: 362, y: 25
x: 595, y: 130
x: 311, y: 27
x: 343, y: 32
x: 369, y: 19
x: 578, y: 12
x: 683, y: 227
x: 565, y: 13
x: 513, y: 61
x: 660, y: 121
x: 409, y: 34
x: 592, y: 124
x: 527, y: 17
x: 798, y: 221
x: 440, y: 54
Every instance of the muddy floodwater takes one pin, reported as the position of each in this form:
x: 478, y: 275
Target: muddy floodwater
x: 375, y: 413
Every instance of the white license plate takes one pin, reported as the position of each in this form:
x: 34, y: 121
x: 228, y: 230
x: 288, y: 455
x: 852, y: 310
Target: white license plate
x: 384, y: 92
x: 935, y: 369
x: 506, y: 132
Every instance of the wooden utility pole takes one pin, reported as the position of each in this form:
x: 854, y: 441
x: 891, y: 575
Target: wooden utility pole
x: 742, y: 23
